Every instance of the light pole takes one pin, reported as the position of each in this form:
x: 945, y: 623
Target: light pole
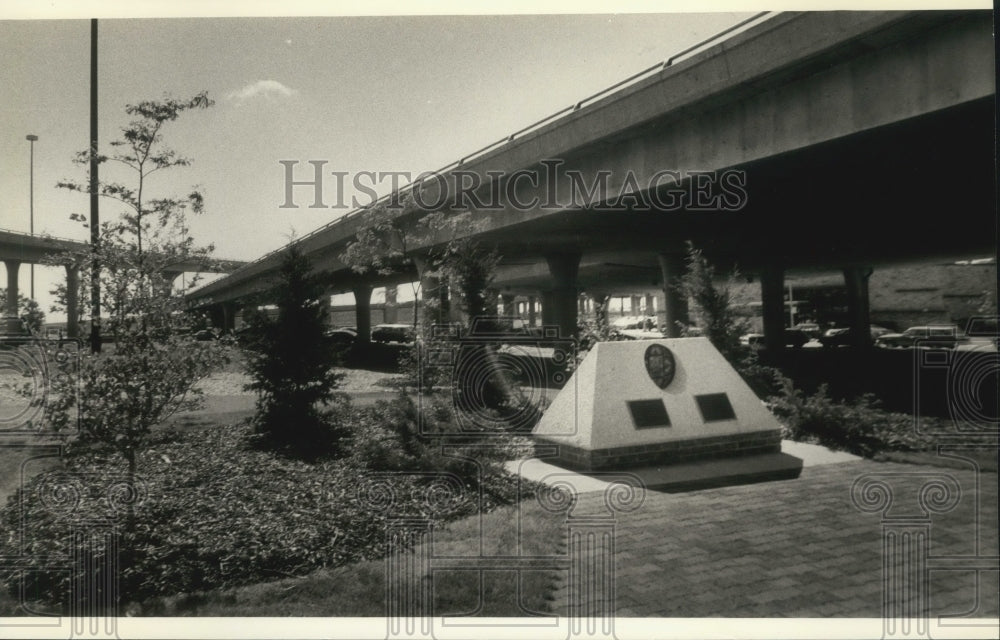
x: 31, y: 201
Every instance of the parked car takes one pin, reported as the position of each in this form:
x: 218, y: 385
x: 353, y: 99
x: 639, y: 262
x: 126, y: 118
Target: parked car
x: 878, y: 331
x: 945, y: 336
x: 384, y: 333
x: 793, y: 338
x: 844, y: 336
x: 811, y: 329
x: 343, y: 336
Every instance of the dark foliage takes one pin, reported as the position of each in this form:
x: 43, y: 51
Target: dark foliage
x: 216, y: 513
x: 858, y: 426
x: 290, y: 361
x: 718, y: 320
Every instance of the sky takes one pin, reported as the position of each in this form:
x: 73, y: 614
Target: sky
x: 385, y: 93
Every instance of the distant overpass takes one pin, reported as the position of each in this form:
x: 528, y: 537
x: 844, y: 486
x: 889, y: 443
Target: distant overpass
x: 860, y: 138
x: 17, y: 248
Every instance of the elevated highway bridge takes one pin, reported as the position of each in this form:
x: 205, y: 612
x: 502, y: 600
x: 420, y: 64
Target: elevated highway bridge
x: 834, y: 140
x: 17, y: 248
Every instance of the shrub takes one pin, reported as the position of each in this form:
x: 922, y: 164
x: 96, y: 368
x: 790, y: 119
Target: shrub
x: 858, y: 426
x: 388, y: 437
x: 763, y: 379
x: 290, y: 362
x: 718, y: 320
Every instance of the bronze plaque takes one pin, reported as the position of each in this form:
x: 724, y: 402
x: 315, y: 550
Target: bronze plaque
x: 715, y: 407
x: 660, y: 365
x: 648, y: 413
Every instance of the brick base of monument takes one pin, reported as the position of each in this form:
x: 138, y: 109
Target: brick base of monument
x: 663, y: 453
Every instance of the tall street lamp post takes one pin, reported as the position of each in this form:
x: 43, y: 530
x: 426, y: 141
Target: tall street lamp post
x: 31, y: 202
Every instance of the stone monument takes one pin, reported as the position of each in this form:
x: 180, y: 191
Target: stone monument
x: 662, y: 403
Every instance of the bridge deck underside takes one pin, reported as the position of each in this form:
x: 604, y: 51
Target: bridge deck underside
x: 917, y: 189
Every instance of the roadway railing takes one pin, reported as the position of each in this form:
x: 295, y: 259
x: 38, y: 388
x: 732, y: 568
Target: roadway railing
x: 419, y: 180
x: 43, y: 236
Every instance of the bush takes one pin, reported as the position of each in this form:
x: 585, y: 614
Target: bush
x: 763, y: 379
x: 718, y: 320
x: 217, y: 514
x: 858, y: 426
x: 290, y: 362
x: 388, y: 437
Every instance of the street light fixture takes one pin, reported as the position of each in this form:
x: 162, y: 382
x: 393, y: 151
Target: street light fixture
x: 31, y: 202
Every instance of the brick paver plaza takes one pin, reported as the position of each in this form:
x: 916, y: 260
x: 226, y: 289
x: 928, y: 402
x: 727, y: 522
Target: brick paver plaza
x: 795, y: 548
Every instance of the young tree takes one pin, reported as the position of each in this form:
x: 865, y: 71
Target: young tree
x: 382, y: 244
x: 60, y: 301
x: 290, y: 361
x: 464, y: 262
x: 152, y: 371
x: 721, y: 325
x: 713, y: 303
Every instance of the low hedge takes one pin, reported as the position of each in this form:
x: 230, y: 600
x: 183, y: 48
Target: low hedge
x: 859, y: 426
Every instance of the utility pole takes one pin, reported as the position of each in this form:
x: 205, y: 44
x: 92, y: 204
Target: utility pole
x: 95, y: 234
x: 31, y: 202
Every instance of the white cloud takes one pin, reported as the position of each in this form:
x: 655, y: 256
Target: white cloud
x: 266, y: 88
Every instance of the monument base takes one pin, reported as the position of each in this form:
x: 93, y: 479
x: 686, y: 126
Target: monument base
x: 680, y: 477
x: 670, y: 452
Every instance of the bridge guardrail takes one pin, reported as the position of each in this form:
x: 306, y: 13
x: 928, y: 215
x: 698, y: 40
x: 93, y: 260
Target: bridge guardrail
x: 44, y: 236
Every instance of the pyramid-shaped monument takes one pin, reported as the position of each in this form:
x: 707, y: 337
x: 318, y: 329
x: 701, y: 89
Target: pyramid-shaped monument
x: 655, y: 402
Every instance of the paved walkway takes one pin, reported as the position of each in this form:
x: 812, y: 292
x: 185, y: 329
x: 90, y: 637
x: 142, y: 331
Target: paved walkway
x: 794, y: 548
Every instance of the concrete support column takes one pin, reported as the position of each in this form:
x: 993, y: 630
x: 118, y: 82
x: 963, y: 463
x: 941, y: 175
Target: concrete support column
x: 661, y: 314
x: 433, y: 294
x: 72, y: 301
x: 672, y: 267
x: 169, y: 277
x: 634, y: 305
x: 561, y: 304
x: 531, y: 311
x: 650, y: 309
x: 363, y: 312
x: 772, y: 296
x: 507, y: 303
x: 13, y: 266
x: 228, y: 317
x: 215, y: 317
x: 454, y: 305
x: 858, y: 309
x: 389, y: 314
x: 11, y: 322
x: 548, y: 309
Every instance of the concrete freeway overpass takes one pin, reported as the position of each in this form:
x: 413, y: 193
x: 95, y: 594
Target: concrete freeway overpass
x: 861, y: 138
x: 17, y: 248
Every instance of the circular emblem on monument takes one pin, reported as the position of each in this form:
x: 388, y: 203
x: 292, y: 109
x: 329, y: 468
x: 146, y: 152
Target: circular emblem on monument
x: 660, y: 365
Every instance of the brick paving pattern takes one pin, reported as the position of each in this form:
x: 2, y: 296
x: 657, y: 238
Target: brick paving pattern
x: 797, y: 548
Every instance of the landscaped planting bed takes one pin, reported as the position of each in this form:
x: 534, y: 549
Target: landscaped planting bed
x: 212, y: 513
